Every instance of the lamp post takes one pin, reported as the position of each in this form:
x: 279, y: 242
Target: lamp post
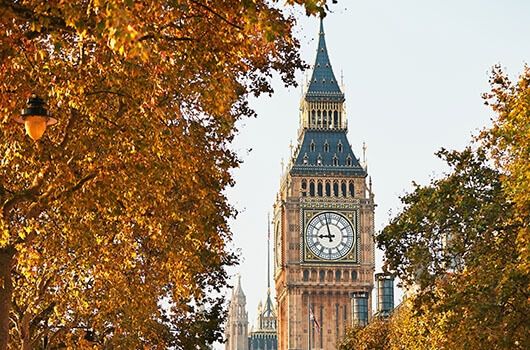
x: 35, y: 117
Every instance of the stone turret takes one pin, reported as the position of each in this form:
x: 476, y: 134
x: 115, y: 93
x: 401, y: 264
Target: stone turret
x: 264, y: 335
x: 236, y: 331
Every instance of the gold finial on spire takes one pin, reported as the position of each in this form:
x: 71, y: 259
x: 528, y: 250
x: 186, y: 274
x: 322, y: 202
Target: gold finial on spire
x: 365, y: 164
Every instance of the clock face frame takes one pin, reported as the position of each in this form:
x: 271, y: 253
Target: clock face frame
x: 330, y: 236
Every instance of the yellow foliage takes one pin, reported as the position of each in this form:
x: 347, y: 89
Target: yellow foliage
x: 120, y: 206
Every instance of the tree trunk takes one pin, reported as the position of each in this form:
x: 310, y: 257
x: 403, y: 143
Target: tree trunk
x: 6, y: 291
x: 24, y: 330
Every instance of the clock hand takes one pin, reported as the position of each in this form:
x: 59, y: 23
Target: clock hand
x: 330, y: 237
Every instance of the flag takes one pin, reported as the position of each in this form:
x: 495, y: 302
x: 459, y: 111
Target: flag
x: 314, y: 319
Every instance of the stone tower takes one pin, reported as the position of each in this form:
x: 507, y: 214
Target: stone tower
x: 323, y: 222
x: 236, y: 331
x: 264, y: 335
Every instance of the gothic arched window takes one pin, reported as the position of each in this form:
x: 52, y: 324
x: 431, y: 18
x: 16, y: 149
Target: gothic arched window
x: 328, y: 189
x: 335, y: 188
x: 312, y: 189
x: 351, y: 189
x: 339, y: 147
x: 343, y: 188
x: 312, y: 146
x: 319, y: 189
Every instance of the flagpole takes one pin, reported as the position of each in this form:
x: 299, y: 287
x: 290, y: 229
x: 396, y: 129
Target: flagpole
x: 309, y: 323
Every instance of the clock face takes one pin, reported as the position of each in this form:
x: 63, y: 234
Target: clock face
x: 329, y: 235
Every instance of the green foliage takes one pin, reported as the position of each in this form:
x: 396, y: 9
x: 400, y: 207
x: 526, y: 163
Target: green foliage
x: 461, y: 243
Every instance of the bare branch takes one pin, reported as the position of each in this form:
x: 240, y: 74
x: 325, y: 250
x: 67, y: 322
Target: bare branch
x: 209, y: 9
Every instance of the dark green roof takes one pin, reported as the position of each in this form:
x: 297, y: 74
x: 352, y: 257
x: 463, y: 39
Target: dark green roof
x: 326, y: 152
x: 323, y: 84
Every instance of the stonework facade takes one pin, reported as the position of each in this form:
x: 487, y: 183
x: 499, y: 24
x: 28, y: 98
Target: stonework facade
x: 236, y: 330
x: 323, y: 222
x: 264, y: 335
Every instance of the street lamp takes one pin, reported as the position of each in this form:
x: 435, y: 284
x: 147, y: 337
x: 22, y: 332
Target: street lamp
x: 35, y: 117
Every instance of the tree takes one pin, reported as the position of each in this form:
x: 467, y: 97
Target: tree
x: 509, y: 144
x: 405, y: 328
x: 121, y: 206
x: 455, y: 239
x: 374, y: 336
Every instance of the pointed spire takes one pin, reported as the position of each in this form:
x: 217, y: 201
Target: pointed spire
x: 323, y: 84
x: 268, y: 253
x: 238, y: 291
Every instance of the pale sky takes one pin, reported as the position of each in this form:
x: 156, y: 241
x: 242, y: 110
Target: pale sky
x: 414, y: 72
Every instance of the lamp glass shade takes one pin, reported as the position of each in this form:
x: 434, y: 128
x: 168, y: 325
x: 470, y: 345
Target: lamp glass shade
x: 35, y: 126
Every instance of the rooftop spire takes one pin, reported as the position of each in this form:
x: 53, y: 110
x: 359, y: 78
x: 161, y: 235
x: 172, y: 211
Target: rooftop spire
x: 323, y: 83
x: 238, y: 291
x: 268, y: 253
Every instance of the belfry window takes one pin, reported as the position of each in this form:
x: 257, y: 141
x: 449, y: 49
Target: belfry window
x: 351, y: 189
x: 336, y: 189
x: 328, y: 189
x: 319, y: 189
x: 354, y: 275
x: 312, y: 189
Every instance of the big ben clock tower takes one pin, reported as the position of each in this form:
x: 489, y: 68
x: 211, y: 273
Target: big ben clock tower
x: 323, y: 222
